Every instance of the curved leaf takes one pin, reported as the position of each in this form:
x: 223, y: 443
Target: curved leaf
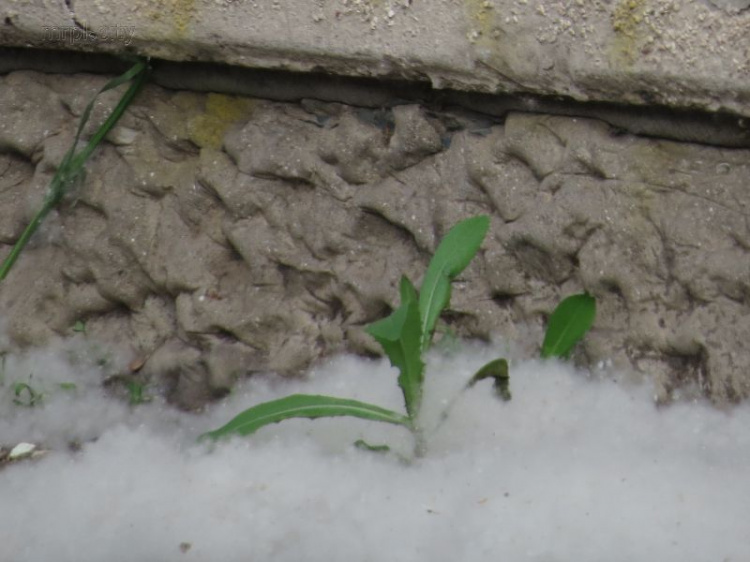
x: 303, y: 406
x: 498, y: 371
x: 454, y: 253
x: 568, y: 324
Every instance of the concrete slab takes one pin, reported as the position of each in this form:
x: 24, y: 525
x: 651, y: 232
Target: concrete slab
x: 679, y: 53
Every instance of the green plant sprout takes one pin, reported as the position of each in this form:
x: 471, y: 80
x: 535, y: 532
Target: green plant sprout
x: 405, y: 335
x: 568, y: 323
x: 136, y: 394
x: 26, y: 396
x: 72, y: 163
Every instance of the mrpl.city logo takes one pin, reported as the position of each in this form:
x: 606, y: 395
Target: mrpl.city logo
x: 72, y: 34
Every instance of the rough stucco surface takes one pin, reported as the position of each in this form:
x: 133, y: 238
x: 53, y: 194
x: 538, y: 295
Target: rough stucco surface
x: 673, y: 52
x: 216, y: 236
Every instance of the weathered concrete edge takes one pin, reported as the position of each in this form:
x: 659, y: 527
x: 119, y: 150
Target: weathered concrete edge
x: 717, y: 129
x: 686, y: 54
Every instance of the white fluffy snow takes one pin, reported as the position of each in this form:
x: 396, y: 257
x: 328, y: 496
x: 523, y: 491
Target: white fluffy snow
x: 574, y: 468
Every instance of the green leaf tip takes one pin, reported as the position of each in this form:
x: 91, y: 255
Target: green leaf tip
x: 308, y: 406
x: 498, y: 371
x: 568, y: 323
x: 453, y: 255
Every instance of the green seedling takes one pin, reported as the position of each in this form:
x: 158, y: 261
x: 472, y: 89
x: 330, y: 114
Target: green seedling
x: 136, y: 394
x: 80, y: 327
x: 404, y: 336
x: 569, y: 322
x: 496, y: 370
x: 26, y: 396
x: 71, y: 167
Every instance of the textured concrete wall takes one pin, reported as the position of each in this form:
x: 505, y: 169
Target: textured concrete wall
x: 674, y: 52
x: 216, y: 235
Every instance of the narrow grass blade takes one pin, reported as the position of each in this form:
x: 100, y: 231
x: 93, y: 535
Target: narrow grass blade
x: 454, y: 253
x: 568, y: 323
x: 364, y: 445
x: 497, y: 370
x: 72, y: 164
x: 399, y: 335
x: 303, y: 406
x: 137, y: 73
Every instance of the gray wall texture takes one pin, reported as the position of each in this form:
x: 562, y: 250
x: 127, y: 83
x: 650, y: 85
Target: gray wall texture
x: 217, y: 235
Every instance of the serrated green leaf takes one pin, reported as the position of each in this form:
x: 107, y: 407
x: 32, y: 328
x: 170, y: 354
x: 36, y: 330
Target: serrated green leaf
x: 497, y: 370
x: 454, y: 253
x: 569, y: 322
x: 399, y: 335
x: 304, y: 406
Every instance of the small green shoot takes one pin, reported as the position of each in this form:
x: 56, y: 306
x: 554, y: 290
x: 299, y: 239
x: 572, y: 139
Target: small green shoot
x: 498, y: 371
x: 26, y: 396
x: 80, y: 327
x: 404, y: 336
x: 568, y: 323
x: 136, y: 394
x: 71, y: 167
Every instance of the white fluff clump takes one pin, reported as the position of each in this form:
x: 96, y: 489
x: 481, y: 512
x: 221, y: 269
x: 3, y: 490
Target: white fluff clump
x: 573, y: 468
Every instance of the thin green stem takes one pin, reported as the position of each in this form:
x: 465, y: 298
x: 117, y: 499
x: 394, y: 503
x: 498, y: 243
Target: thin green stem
x: 72, y: 164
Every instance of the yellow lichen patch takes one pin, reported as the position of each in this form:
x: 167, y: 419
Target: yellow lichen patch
x: 482, y: 16
x: 627, y: 21
x: 183, y: 15
x: 207, y: 130
x: 177, y: 14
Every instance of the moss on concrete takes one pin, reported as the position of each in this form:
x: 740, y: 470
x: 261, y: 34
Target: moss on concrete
x: 207, y: 129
